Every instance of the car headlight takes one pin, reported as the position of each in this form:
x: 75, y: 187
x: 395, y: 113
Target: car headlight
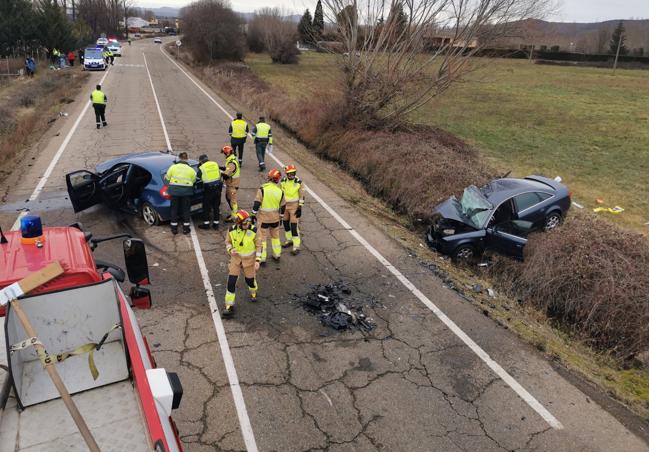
x: 448, y: 231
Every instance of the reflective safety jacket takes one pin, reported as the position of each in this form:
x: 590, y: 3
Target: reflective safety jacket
x: 181, y: 174
x: 98, y: 97
x: 292, y: 190
x: 244, y: 241
x: 210, y: 172
x: 262, y: 133
x: 271, y: 197
x: 238, y: 129
x: 229, y: 161
x: 107, y: 53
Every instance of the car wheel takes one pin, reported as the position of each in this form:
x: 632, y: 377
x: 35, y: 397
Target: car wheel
x: 552, y: 221
x: 464, y: 253
x: 150, y: 215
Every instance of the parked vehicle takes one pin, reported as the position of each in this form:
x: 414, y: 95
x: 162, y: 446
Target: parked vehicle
x: 102, y: 42
x: 115, y: 48
x: 498, y: 216
x: 93, y: 60
x: 157, y: 40
x: 132, y: 183
x: 85, y: 312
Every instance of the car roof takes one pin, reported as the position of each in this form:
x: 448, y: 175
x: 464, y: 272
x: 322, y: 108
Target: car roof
x: 499, y: 190
x: 152, y: 161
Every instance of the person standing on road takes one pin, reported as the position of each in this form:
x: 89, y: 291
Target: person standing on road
x: 210, y: 173
x: 269, y: 202
x: 238, y: 134
x: 244, y: 248
x: 99, y: 100
x: 71, y: 58
x: 263, y: 136
x: 129, y: 41
x: 81, y: 53
x: 181, y: 178
x: 294, y: 197
x: 231, y: 174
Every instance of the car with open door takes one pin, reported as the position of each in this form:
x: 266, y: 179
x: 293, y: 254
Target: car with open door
x: 498, y: 216
x: 133, y: 183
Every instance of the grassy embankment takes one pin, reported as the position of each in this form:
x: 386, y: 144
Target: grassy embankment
x: 585, y: 124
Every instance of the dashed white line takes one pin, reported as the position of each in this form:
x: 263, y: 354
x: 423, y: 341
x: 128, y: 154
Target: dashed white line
x: 228, y: 361
x: 48, y: 172
x: 450, y: 324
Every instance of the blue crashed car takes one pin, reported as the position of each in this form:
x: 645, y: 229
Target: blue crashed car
x: 132, y: 183
x: 498, y: 216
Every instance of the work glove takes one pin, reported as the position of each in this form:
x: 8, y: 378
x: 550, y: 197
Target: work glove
x: 257, y: 265
x: 269, y: 149
x: 298, y: 212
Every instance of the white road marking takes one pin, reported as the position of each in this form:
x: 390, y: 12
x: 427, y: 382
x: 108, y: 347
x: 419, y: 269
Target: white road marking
x: 48, y: 172
x: 484, y: 356
x: 228, y: 361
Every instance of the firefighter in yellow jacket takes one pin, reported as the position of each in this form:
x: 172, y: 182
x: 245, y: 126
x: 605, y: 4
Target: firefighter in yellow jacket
x: 243, y: 245
x: 291, y: 185
x: 268, y: 203
x: 231, y: 173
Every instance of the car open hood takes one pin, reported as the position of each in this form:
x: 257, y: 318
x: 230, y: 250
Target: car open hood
x: 451, y: 210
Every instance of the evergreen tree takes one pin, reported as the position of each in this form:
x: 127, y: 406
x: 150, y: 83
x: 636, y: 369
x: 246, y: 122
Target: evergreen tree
x: 305, y: 28
x: 17, y: 24
x: 618, y: 39
x: 318, y: 22
x: 54, y: 28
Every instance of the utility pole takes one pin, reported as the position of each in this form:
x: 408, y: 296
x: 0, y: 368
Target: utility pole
x: 617, y: 54
x: 125, y: 20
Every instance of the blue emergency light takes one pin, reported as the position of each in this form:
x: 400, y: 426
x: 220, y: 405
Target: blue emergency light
x: 31, y: 229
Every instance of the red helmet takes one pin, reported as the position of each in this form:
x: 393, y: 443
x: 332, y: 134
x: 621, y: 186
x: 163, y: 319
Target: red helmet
x: 290, y: 169
x: 274, y: 175
x: 227, y: 150
x: 242, y: 216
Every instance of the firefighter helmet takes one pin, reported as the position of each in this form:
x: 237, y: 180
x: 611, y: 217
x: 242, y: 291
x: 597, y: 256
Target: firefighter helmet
x: 227, y: 150
x: 274, y: 175
x: 242, y: 216
x: 290, y: 169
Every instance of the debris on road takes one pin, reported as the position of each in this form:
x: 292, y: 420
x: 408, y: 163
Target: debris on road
x: 614, y: 210
x: 491, y: 292
x: 336, y: 308
x: 577, y: 205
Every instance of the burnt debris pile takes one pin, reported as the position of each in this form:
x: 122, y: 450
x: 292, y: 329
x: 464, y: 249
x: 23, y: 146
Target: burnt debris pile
x: 336, y: 307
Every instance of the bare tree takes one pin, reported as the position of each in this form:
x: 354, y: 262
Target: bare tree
x: 400, y: 54
x: 277, y: 33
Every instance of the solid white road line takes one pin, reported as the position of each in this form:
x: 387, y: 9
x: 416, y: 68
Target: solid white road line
x: 228, y: 361
x: 48, y: 172
x: 484, y: 356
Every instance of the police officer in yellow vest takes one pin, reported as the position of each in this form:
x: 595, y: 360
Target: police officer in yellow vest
x: 263, y: 136
x: 210, y: 173
x: 108, y: 56
x: 181, y: 178
x: 238, y: 133
x: 268, y: 202
x: 244, y: 248
x: 294, y: 196
x: 99, y: 100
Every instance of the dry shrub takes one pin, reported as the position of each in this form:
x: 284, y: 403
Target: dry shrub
x: 7, y: 121
x: 592, y: 277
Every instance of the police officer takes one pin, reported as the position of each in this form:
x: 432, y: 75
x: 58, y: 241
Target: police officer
x: 210, y: 173
x: 231, y: 174
x: 268, y: 202
x: 99, y: 100
x: 294, y: 196
x: 244, y: 248
x: 263, y: 136
x: 181, y: 178
x: 238, y: 134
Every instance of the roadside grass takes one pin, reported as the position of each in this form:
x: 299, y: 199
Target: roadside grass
x: 585, y: 124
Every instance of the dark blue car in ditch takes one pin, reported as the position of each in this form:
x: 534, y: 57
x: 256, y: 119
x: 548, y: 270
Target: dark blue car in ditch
x: 132, y: 183
x: 498, y: 216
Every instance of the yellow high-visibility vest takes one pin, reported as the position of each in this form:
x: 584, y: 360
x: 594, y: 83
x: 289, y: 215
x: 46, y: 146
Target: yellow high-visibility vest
x: 181, y: 174
x: 243, y: 241
x: 239, y: 128
x: 233, y: 159
x: 272, y: 197
x: 291, y: 189
x: 98, y: 97
x: 263, y: 132
x: 210, y: 172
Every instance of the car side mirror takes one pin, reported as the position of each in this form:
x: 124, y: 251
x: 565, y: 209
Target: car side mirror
x: 525, y: 226
x: 140, y: 297
x: 136, y: 263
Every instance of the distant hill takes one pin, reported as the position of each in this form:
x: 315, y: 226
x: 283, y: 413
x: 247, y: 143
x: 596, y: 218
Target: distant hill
x: 165, y: 11
x: 293, y: 18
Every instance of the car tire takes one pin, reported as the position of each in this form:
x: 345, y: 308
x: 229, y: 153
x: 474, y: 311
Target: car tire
x: 552, y: 221
x: 150, y: 215
x: 464, y: 253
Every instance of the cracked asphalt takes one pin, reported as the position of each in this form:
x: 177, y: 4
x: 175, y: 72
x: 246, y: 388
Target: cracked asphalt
x: 409, y: 384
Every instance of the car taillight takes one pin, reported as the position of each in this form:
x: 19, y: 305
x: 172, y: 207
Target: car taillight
x: 163, y: 192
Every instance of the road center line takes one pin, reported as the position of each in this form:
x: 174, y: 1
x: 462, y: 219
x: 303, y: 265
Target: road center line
x: 237, y: 394
x: 450, y: 324
x: 48, y: 172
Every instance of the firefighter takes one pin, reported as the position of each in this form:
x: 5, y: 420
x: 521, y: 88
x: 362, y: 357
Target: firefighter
x: 268, y: 202
x: 210, y: 173
x: 231, y: 173
x: 238, y: 134
x: 181, y: 178
x: 263, y: 136
x: 243, y: 245
x: 294, y: 197
x: 99, y: 100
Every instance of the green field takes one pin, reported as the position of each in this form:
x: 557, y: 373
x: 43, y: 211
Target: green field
x: 587, y: 125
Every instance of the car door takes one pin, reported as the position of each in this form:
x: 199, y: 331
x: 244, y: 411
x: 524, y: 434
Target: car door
x: 113, y: 185
x: 83, y: 189
x: 502, y: 238
x: 530, y: 206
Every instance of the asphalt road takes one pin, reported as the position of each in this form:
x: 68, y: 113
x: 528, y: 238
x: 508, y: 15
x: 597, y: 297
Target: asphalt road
x: 435, y: 374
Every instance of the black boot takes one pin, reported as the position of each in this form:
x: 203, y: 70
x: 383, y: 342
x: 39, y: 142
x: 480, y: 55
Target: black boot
x: 204, y: 225
x: 215, y: 225
x: 227, y: 312
x: 174, y: 230
x: 186, y: 229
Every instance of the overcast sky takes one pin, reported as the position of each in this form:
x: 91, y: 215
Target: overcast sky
x: 570, y: 11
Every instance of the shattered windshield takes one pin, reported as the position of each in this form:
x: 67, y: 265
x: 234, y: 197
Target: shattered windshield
x: 475, y: 206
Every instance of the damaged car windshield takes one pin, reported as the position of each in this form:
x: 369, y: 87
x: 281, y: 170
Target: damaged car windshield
x: 475, y: 206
